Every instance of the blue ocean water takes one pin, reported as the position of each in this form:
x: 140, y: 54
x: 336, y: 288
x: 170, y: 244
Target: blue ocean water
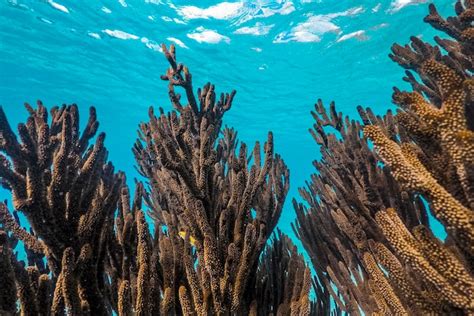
x: 280, y: 56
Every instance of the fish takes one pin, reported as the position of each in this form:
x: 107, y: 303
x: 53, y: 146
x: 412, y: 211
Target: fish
x: 192, y: 240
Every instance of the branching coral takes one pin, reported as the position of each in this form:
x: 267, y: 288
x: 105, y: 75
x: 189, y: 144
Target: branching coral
x: 214, y: 205
x: 446, y: 116
x: 337, y: 222
x: 448, y: 111
x: 138, y: 264
x: 437, y: 265
x: 67, y: 190
x: 286, y: 290
x: 365, y: 222
x: 202, y: 186
x: 7, y: 277
x: 30, y: 285
x: 214, y: 208
x: 409, y: 170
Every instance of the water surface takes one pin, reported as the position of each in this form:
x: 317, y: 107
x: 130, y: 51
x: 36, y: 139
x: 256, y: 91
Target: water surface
x: 280, y: 56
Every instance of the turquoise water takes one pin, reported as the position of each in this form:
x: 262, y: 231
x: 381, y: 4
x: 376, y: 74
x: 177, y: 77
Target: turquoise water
x: 280, y: 56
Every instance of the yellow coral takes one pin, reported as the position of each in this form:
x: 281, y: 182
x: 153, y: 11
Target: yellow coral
x: 407, y: 169
x: 410, y: 252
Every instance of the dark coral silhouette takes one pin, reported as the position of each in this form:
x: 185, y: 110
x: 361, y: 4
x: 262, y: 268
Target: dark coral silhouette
x: 212, y: 208
x: 213, y: 205
x: 366, y: 224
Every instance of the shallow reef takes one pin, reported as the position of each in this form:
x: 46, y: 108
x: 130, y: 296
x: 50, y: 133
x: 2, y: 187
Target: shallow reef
x: 213, y: 204
x: 365, y: 223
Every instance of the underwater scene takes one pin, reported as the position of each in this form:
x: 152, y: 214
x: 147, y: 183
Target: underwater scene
x: 306, y: 157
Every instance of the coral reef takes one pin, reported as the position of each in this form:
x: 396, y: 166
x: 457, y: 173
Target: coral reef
x: 89, y: 248
x: 67, y: 190
x: 211, y: 189
x: 8, y: 289
x: 286, y: 290
x: 196, y: 237
x: 337, y: 220
x: 365, y: 221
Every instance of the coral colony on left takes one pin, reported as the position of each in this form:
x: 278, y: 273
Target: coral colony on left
x: 214, y: 203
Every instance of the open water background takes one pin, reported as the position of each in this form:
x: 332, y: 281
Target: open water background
x: 280, y: 56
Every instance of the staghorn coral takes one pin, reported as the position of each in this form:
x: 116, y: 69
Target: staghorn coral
x: 8, y: 290
x: 409, y: 170
x: 286, y: 289
x: 447, y: 119
x: 202, y: 186
x: 365, y: 223
x: 337, y: 222
x: 66, y: 190
x: 89, y: 248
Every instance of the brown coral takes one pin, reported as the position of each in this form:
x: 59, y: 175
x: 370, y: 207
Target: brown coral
x: 202, y: 186
x: 213, y: 209
x: 366, y: 208
x: 56, y: 178
x: 285, y: 291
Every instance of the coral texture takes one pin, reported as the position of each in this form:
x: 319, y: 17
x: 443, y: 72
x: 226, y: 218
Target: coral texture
x: 89, y: 247
x: 366, y: 224
x: 211, y: 189
x: 196, y: 237
x: 67, y: 190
